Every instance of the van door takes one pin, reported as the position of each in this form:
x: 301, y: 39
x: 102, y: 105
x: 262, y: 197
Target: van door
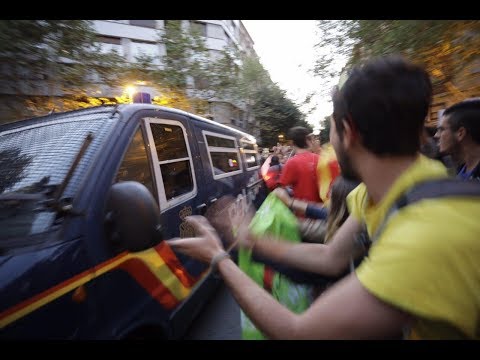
x: 220, y: 160
x: 177, y: 176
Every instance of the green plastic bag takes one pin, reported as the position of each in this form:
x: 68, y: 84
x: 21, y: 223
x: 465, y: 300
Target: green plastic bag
x: 273, y: 218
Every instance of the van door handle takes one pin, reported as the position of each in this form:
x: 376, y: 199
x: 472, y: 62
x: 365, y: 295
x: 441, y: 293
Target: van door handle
x: 213, y: 200
x: 201, y: 209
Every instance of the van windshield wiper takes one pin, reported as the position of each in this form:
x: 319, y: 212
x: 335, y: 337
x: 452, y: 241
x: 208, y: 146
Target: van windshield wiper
x: 36, y: 191
x: 78, y: 157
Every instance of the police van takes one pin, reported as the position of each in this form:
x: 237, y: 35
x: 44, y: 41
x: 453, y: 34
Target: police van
x: 87, y: 198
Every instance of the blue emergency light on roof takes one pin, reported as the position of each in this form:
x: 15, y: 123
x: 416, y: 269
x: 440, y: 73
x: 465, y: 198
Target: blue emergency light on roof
x: 142, y: 98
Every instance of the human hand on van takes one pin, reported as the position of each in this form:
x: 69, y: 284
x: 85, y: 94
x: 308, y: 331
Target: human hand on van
x: 204, y: 246
x: 231, y: 218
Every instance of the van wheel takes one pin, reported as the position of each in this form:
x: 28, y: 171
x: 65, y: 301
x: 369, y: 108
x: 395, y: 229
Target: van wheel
x: 148, y: 332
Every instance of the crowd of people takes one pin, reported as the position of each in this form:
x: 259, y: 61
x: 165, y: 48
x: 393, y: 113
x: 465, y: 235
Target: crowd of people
x: 403, y: 268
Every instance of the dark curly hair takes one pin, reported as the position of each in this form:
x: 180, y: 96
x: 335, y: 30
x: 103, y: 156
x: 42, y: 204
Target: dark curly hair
x: 386, y: 101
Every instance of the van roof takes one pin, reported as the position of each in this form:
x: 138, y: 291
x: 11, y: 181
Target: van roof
x: 122, y: 108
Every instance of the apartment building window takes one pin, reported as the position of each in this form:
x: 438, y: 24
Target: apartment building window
x: 223, y: 153
x: 110, y: 43
x: 109, y: 40
x: 215, y: 31
x: 144, y: 23
x: 149, y: 48
x: 199, y: 27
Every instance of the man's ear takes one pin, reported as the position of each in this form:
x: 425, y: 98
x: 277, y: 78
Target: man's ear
x: 349, y: 134
x: 461, y: 133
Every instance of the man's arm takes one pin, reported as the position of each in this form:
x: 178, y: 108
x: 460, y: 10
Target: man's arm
x: 331, y: 259
x: 310, y: 210
x: 346, y: 311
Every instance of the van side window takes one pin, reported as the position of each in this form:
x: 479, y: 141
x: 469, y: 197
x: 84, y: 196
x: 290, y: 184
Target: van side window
x: 173, y: 157
x: 250, y: 152
x: 135, y: 165
x: 223, y: 154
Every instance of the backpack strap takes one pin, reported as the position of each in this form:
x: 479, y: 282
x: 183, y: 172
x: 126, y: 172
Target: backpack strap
x: 430, y: 189
x: 449, y: 187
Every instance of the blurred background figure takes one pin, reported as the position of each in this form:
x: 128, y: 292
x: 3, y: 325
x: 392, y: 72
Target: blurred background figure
x: 272, y: 176
x: 338, y: 211
x: 430, y: 148
x: 458, y: 133
x: 300, y: 170
x: 321, y: 222
x: 315, y: 145
x: 428, y: 144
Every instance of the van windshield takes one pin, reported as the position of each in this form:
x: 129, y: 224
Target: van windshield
x: 35, y: 159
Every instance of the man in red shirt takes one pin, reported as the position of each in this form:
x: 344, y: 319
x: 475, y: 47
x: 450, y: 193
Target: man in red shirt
x: 300, y: 171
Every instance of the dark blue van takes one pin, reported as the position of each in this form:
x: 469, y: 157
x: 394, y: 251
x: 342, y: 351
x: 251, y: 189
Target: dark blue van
x: 86, y: 198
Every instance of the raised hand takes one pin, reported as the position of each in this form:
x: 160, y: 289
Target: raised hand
x: 231, y: 218
x: 204, y: 246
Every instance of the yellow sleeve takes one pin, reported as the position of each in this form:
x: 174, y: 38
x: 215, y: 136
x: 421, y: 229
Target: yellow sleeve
x: 414, y: 266
x: 355, y: 202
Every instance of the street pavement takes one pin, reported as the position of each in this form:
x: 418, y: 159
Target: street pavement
x: 219, y: 319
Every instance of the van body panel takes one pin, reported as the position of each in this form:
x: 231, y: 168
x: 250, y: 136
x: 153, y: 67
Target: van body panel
x: 65, y: 280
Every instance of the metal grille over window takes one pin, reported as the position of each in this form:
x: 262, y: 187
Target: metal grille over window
x: 47, y: 150
x: 224, y: 155
x: 169, y: 142
x: 144, y: 23
x: 135, y: 166
x: 250, y: 153
x: 174, y: 160
x: 35, y: 159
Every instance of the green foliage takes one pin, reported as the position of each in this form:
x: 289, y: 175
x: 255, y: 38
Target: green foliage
x: 273, y: 111
x: 186, y: 54
x: 226, y: 70
x: 62, y: 51
x: 444, y: 47
x: 63, y: 60
x: 55, y: 57
x: 275, y: 114
x: 336, y: 40
x: 325, y: 131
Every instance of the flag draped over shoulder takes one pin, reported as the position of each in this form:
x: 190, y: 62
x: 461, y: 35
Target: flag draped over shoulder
x: 327, y: 170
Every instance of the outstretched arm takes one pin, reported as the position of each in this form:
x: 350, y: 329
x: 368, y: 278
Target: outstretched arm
x: 347, y: 310
x: 330, y: 259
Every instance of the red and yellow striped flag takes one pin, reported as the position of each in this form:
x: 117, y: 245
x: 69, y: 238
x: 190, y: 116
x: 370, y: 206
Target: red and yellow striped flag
x: 327, y: 170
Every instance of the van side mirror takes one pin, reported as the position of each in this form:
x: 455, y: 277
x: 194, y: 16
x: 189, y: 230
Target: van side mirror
x: 132, y: 217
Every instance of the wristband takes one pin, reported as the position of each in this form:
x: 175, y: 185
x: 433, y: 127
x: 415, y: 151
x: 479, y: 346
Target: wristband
x: 291, y: 204
x: 217, y: 258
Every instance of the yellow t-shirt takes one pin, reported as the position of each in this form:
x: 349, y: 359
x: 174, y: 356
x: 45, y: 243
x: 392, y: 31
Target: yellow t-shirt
x: 426, y: 261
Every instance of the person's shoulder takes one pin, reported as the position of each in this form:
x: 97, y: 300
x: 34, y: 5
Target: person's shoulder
x: 436, y: 221
x: 359, y: 193
x: 356, y: 200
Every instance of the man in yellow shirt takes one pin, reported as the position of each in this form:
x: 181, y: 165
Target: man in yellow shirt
x: 422, y: 274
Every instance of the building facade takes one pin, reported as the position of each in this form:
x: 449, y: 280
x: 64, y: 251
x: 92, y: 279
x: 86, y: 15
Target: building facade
x: 133, y: 38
